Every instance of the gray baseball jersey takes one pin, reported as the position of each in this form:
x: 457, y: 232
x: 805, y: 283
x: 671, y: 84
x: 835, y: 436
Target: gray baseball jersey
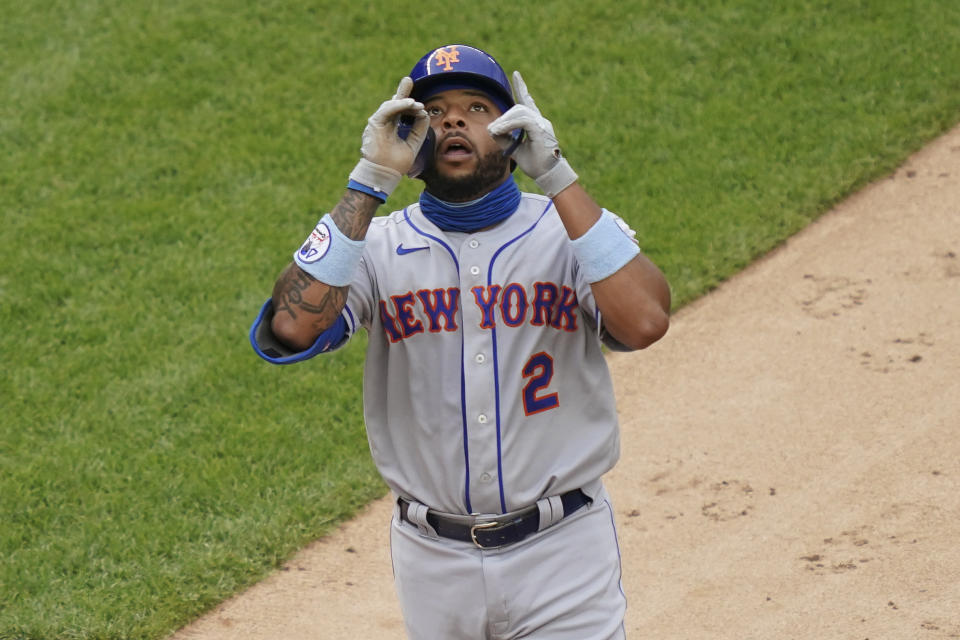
x: 485, y: 385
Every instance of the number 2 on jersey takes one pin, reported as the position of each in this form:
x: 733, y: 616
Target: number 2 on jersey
x: 539, y: 370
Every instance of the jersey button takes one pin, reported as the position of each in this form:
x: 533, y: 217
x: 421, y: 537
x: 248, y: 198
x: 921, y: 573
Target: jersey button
x: 474, y: 243
x: 482, y: 419
x: 485, y: 477
x: 480, y: 358
x: 475, y: 270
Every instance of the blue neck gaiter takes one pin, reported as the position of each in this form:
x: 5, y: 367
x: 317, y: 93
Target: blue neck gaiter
x: 477, y: 214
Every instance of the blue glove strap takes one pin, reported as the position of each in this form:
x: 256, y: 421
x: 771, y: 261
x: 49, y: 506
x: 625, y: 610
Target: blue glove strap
x: 370, y: 191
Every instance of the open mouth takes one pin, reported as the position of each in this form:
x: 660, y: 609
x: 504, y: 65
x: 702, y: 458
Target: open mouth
x: 455, y: 147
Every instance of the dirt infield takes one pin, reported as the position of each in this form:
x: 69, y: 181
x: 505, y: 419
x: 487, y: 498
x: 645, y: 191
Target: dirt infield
x: 791, y: 450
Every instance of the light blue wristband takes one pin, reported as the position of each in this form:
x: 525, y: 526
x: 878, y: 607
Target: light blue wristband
x: 328, y: 255
x: 604, y: 249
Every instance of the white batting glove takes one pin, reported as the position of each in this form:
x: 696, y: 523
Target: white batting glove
x: 539, y: 154
x: 386, y: 156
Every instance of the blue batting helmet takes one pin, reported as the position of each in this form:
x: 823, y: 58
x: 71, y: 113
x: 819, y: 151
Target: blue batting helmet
x: 458, y: 66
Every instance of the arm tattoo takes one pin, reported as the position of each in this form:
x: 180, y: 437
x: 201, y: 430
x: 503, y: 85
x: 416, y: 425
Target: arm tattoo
x: 353, y: 213
x: 352, y: 216
x: 288, y: 297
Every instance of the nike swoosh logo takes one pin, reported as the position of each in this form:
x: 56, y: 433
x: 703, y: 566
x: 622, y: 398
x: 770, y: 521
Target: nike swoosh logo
x: 401, y: 251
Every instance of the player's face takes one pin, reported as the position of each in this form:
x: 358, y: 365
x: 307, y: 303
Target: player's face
x: 468, y: 162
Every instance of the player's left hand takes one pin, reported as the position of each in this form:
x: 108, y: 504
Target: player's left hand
x: 539, y: 154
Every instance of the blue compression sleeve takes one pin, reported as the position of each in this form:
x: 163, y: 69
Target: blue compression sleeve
x: 268, y: 347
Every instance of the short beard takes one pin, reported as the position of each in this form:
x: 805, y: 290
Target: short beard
x: 490, y: 171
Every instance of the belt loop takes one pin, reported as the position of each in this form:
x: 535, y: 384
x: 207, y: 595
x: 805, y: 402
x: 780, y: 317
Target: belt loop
x: 551, y: 511
x: 417, y: 514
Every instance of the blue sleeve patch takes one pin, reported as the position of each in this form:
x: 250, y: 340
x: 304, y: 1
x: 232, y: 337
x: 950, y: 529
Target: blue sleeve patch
x: 268, y: 347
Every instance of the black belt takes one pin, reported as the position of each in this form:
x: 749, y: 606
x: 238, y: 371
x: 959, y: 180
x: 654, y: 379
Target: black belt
x: 494, y: 533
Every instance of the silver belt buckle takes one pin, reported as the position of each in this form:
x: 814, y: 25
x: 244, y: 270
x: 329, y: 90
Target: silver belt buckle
x: 482, y: 525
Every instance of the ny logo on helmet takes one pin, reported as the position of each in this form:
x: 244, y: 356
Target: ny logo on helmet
x: 446, y: 57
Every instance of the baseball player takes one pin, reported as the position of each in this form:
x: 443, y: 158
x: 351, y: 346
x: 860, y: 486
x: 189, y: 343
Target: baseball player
x: 488, y: 404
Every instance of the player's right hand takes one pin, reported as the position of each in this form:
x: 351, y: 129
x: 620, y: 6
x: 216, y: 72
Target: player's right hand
x: 387, y: 156
x: 381, y: 144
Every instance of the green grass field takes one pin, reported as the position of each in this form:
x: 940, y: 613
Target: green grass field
x: 159, y: 163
